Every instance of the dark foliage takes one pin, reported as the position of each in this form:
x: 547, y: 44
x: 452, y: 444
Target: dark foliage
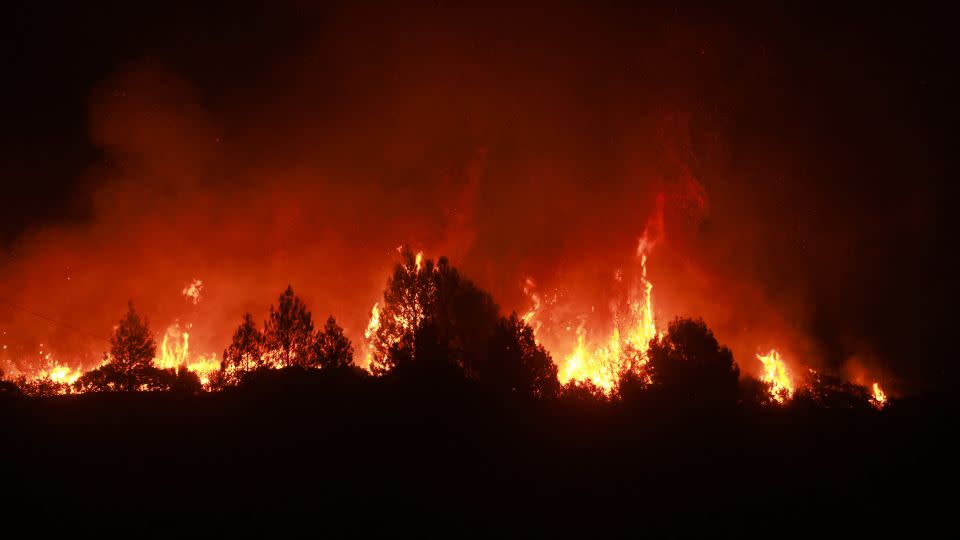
x: 288, y: 331
x: 584, y: 392
x: 754, y: 392
x: 445, y: 446
x: 41, y: 387
x: 331, y: 348
x: 108, y: 378
x: 434, y: 317
x: 516, y: 363
x: 687, y: 365
x: 8, y: 388
x: 129, y: 366
x: 461, y: 316
x: 132, y: 350
x: 246, y: 350
x: 831, y: 392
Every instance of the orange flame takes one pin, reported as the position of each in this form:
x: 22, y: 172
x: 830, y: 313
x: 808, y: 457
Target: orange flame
x: 775, y: 374
x: 879, y: 397
x: 175, y: 354
x: 192, y: 291
x: 371, y: 330
x: 626, y: 348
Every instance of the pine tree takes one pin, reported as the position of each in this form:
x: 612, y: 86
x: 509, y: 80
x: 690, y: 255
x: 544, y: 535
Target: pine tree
x: 331, y: 348
x: 132, y: 349
x: 245, y: 352
x: 288, y: 331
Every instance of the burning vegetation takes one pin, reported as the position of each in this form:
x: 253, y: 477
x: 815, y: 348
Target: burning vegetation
x: 433, y: 318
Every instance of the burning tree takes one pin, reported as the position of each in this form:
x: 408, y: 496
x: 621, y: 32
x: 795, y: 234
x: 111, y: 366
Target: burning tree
x: 421, y: 294
x: 130, y: 364
x: 431, y: 314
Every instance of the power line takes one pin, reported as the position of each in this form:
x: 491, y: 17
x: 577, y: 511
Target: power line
x: 54, y: 321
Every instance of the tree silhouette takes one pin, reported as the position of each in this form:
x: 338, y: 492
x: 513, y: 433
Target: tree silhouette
x: 633, y: 385
x: 288, y: 331
x: 245, y: 352
x: 132, y: 348
x: 460, y: 315
x: 517, y: 363
x: 130, y: 362
x: 331, y: 348
x: 409, y: 291
x: 689, y: 364
x: 753, y: 391
x: 129, y: 366
x: 424, y: 358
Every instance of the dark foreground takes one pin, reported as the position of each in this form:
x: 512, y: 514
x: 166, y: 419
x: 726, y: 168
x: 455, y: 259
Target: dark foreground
x: 379, y: 453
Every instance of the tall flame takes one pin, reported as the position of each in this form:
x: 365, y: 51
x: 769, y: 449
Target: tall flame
x: 371, y: 330
x: 175, y: 354
x: 775, y: 374
x: 626, y: 348
x: 879, y: 397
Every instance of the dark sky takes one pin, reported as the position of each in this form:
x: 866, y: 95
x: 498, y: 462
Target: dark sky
x: 802, y: 152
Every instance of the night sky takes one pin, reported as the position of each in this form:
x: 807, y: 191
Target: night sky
x: 801, y: 154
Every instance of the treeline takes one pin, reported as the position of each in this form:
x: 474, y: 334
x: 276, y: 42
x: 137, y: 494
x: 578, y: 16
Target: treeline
x: 436, y: 327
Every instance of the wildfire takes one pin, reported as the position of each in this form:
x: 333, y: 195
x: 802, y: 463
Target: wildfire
x: 374, y: 323
x: 175, y: 354
x: 879, y: 397
x: 602, y: 362
x: 61, y: 374
x: 192, y: 291
x: 775, y: 374
x: 371, y: 330
x: 528, y: 290
x: 626, y: 348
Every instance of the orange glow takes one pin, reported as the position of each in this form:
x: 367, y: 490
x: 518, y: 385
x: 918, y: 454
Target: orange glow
x: 382, y: 334
x: 879, y: 397
x: 58, y: 375
x: 174, y: 353
x: 775, y: 374
x: 527, y: 290
x: 629, y: 339
x: 371, y: 330
x: 61, y: 374
x: 601, y: 361
x: 192, y: 291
